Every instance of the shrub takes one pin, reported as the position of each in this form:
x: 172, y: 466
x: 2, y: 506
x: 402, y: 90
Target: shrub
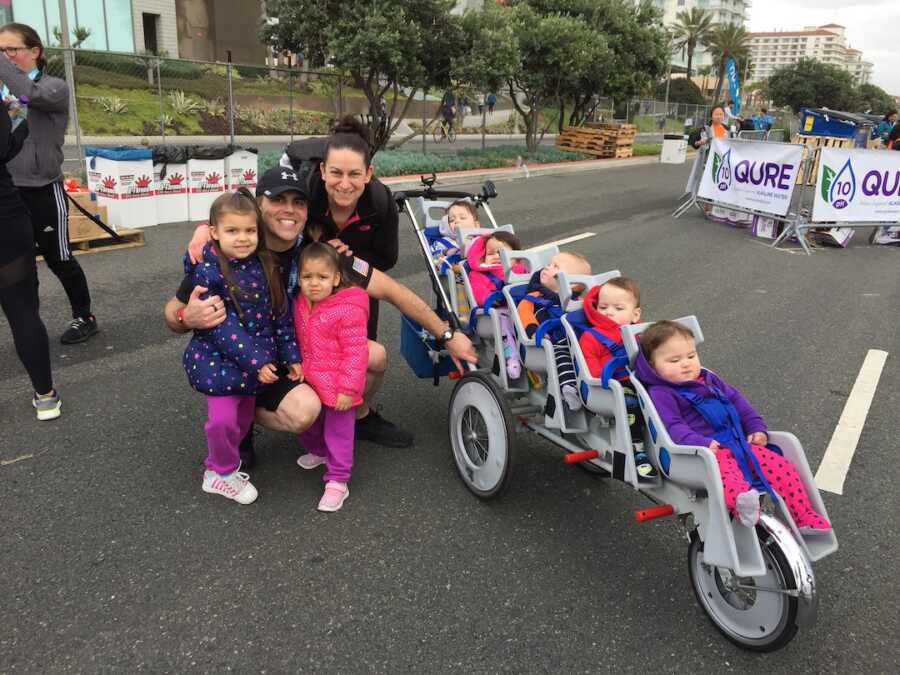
x: 182, y: 104
x: 113, y: 104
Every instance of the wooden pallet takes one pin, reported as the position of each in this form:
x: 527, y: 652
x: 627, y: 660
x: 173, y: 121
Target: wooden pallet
x: 598, y: 139
x: 815, y: 145
x: 132, y: 238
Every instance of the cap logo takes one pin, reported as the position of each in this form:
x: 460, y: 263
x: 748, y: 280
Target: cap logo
x: 286, y: 174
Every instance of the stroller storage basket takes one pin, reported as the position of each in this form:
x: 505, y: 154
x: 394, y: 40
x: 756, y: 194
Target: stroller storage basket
x: 416, y: 346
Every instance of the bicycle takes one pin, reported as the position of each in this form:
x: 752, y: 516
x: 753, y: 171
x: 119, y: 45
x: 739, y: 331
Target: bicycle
x: 444, y: 130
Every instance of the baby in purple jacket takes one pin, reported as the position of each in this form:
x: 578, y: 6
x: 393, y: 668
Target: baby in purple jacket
x: 699, y: 408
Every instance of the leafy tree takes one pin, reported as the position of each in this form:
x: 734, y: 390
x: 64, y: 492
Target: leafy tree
x: 727, y: 41
x: 811, y: 84
x: 692, y: 27
x: 874, y: 99
x: 391, y: 49
x: 681, y: 90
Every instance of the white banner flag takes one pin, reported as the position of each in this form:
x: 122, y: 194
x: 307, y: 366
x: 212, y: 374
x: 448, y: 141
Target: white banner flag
x: 751, y: 175
x: 857, y: 186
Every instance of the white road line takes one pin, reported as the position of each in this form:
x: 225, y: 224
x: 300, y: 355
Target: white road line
x: 567, y: 240
x: 836, y: 461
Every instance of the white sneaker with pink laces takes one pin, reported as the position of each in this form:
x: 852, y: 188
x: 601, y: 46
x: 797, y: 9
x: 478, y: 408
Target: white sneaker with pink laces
x: 236, y: 486
x: 310, y: 461
x: 335, y: 494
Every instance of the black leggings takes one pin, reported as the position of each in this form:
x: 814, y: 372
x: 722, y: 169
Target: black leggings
x: 20, y: 304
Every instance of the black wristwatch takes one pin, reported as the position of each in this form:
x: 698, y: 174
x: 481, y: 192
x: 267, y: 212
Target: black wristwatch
x: 445, y: 336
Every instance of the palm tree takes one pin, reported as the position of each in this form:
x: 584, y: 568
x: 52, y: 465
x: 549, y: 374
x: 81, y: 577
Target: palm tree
x: 726, y: 41
x: 691, y: 28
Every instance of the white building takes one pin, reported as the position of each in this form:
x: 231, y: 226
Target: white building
x: 722, y: 11
x: 827, y: 44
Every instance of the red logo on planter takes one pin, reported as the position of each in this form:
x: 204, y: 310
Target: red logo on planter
x: 143, y: 182
x: 109, y: 183
x: 213, y: 178
x: 176, y: 179
x: 249, y: 175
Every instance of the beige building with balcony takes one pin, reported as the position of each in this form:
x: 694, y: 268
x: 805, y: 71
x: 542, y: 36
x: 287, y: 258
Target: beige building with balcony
x: 826, y: 44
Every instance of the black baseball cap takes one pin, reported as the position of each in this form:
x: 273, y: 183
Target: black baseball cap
x: 279, y: 180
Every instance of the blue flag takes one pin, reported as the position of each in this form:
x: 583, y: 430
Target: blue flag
x: 734, y: 87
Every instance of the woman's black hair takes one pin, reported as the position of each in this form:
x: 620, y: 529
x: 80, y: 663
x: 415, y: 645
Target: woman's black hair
x: 887, y: 116
x: 350, y: 134
x: 30, y: 38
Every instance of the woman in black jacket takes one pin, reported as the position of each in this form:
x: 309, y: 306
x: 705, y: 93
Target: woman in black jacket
x: 18, y: 278
x: 347, y: 203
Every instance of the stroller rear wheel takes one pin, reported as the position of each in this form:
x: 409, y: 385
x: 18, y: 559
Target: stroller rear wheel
x: 481, y: 435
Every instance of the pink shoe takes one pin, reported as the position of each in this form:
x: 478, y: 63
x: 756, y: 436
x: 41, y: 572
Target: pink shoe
x: 334, y: 496
x: 310, y: 461
x: 812, y: 523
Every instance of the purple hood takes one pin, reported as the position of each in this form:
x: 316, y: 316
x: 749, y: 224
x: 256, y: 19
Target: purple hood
x: 685, y: 425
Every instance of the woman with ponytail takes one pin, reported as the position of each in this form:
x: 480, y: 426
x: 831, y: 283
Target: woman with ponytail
x: 357, y: 212
x: 37, y: 169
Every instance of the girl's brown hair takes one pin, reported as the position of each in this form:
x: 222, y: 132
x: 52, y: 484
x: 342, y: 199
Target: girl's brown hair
x: 321, y: 251
x: 467, y: 205
x: 30, y: 39
x: 630, y: 286
x: 243, y: 202
x: 653, y: 337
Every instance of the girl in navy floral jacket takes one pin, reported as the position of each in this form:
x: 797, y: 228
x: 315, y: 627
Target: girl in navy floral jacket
x: 253, y: 347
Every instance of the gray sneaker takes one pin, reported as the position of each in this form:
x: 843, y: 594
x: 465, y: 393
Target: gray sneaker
x: 48, y: 406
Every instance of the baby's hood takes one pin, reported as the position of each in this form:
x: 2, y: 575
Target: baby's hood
x: 476, y: 253
x: 601, y: 322
x: 650, y: 378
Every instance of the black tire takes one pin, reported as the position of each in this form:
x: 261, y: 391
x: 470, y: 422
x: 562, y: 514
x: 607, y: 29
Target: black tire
x: 438, y: 134
x: 724, y: 607
x: 482, y: 435
x: 451, y: 135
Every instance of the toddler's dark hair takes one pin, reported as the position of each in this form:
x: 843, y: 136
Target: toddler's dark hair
x: 321, y: 251
x: 507, y: 238
x: 656, y: 334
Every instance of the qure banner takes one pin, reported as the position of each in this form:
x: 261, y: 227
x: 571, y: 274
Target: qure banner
x: 751, y: 175
x: 857, y: 186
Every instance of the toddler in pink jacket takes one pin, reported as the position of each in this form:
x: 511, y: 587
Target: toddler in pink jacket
x: 330, y: 322
x: 486, y: 276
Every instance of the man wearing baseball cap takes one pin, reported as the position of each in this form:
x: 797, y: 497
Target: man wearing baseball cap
x: 286, y: 405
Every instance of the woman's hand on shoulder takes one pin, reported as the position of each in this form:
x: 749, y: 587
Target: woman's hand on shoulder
x: 340, y: 247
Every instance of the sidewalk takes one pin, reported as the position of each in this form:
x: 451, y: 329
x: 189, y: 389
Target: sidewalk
x: 513, y: 173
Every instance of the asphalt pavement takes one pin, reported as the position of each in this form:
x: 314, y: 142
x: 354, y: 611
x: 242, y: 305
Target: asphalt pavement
x: 112, y: 559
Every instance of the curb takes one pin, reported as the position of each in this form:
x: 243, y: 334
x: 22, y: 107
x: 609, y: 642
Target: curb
x: 518, y: 173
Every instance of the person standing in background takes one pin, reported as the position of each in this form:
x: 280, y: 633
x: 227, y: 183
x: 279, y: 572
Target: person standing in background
x: 37, y: 169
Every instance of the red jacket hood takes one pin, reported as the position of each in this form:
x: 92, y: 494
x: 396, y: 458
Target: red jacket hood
x: 602, y: 323
x: 475, y: 254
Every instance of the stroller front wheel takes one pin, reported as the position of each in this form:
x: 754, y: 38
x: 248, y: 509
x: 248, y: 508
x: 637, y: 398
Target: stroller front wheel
x: 761, y: 613
x: 481, y: 435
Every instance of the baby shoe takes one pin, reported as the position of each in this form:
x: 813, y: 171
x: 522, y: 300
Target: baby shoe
x: 236, y: 486
x: 310, y: 461
x: 571, y: 397
x: 747, y: 507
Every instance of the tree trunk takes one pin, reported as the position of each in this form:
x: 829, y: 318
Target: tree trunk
x: 720, y: 77
x: 690, y: 52
x: 561, y: 116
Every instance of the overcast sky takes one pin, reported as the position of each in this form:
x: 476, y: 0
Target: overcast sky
x: 873, y: 26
